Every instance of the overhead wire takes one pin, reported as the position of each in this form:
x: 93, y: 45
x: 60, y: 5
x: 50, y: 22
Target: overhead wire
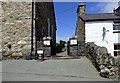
x: 65, y: 10
x: 65, y: 24
x: 61, y: 12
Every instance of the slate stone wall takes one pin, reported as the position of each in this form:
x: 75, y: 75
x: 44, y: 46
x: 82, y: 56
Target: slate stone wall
x: 0, y: 30
x: 47, y: 51
x: 73, y: 50
x: 16, y: 26
x: 80, y: 30
x: 102, y: 60
x: 80, y: 25
x: 45, y: 22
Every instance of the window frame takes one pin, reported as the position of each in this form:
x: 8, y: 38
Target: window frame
x: 117, y: 30
x: 116, y: 50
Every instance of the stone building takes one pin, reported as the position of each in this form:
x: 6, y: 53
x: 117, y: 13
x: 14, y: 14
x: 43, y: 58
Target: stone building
x: 80, y: 30
x: 103, y: 29
x: 45, y: 23
x: 22, y: 28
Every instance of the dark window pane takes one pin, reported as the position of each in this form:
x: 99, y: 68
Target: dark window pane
x: 116, y: 23
x: 116, y: 53
x: 116, y: 27
x: 117, y: 47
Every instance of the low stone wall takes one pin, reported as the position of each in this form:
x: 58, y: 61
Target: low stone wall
x: 102, y: 60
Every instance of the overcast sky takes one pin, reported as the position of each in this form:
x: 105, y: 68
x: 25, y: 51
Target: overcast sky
x: 66, y: 15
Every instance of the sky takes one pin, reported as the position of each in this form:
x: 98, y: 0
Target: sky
x: 66, y: 15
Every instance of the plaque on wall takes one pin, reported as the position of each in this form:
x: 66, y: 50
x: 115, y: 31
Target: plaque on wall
x: 46, y: 42
x: 40, y: 51
x: 73, y: 41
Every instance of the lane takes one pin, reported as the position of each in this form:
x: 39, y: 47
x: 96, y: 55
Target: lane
x: 38, y: 77
x: 50, y: 70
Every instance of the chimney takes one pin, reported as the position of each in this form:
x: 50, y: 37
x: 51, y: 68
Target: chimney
x: 81, y: 9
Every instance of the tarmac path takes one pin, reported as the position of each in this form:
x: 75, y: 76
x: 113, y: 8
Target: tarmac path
x: 50, y: 70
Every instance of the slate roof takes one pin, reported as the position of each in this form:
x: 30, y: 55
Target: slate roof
x: 99, y: 17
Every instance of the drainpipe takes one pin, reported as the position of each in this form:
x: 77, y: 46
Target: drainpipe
x: 32, y: 27
x: 35, y: 27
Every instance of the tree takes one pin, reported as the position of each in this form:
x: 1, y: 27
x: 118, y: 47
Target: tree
x: 62, y: 43
x: 60, y: 46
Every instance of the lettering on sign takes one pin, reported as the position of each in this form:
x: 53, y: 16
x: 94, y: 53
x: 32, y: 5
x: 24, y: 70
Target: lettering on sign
x: 73, y: 42
x: 47, y: 42
x: 40, y: 51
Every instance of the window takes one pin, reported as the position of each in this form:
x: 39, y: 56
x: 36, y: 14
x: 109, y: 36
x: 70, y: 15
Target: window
x: 117, y: 49
x: 116, y: 27
x: 116, y: 53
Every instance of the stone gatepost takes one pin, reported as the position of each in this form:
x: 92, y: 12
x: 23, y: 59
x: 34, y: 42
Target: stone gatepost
x: 47, y: 46
x: 81, y: 48
x: 73, y: 46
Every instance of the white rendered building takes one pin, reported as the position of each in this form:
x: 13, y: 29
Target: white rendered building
x: 103, y: 30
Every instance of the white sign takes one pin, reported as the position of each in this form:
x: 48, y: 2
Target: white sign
x: 46, y: 42
x: 73, y: 41
x: 40, y: 51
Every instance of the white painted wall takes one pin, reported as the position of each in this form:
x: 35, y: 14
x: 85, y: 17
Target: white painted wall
x: 94, y: 31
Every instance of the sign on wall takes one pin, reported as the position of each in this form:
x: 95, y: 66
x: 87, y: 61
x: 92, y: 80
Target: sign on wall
x: 40, y: 51
x: 46, y: 42
x: 73, y: 41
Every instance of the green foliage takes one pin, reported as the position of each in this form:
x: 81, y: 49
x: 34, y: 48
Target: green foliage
x: 57, y: 44
x: 62, y: 43
x: 60, y: 46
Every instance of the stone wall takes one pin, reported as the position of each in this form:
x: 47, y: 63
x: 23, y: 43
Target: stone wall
x: 0, y: 30
x: 16, y: 27
x: 80, y: 25
x: 102, y: 60
x: 73, y: 50
x: 80, y: 30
